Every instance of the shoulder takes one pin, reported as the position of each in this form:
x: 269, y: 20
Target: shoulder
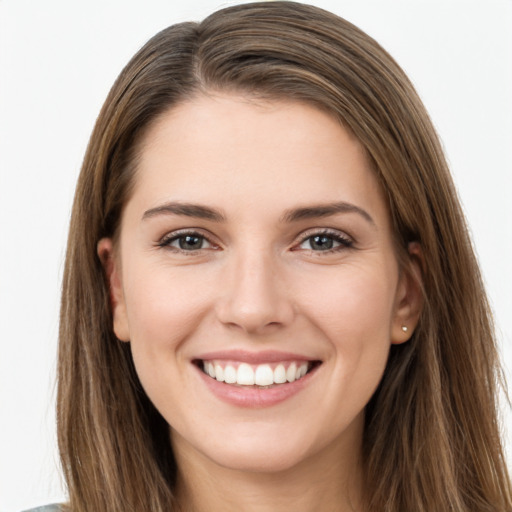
x: 46, y: 508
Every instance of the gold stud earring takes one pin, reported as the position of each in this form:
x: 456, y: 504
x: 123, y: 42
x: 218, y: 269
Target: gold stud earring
x: 404, y: 328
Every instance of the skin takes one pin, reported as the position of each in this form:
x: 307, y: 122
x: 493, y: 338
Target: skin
x: 259, y: 283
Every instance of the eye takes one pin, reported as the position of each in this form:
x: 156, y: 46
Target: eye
x: 186, y: 242
x: 325, y: 242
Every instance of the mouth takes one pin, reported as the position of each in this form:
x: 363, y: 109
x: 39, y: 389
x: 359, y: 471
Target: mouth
x: 257, y: 376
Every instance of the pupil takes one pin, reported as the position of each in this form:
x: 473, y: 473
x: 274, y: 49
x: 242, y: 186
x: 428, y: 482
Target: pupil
x: 322, y: 242
x: 190, y: 242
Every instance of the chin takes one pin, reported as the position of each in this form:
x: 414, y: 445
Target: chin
x: 255, y: 459
x: 260, y: 447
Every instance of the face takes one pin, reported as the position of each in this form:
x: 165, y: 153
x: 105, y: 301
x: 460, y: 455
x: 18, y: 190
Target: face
x: 256, y: 280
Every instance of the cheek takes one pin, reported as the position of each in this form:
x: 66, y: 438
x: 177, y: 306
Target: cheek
x: 356, y: 302
x: 354, y: 315
x: 163, y: 309
x: 162, y: 304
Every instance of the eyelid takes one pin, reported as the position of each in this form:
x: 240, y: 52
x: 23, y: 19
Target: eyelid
x: 165, y: 240
x: 346, y: 241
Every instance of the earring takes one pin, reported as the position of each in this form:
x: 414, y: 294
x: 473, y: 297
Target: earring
x: 404, y: 328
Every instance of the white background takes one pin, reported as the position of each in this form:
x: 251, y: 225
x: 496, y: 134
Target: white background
x: 57, y: 61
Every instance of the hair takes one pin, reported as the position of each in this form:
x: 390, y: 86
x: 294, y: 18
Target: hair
x: 431, y: 438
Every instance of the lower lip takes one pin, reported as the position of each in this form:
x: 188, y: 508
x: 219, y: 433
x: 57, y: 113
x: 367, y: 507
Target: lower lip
x: 254, y: 397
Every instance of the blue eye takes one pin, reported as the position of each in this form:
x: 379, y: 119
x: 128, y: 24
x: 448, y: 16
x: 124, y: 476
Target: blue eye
x: 186, y: 242
x: 190, y: 242
x: 325, y: 242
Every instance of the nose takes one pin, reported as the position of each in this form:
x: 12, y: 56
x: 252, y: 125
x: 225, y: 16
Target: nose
x: 254, y: 297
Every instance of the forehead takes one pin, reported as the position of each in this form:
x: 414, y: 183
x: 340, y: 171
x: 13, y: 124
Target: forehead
x: 220, y: 148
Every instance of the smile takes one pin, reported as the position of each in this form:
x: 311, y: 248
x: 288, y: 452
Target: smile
x: 255, y: 379
x: 244, y: 374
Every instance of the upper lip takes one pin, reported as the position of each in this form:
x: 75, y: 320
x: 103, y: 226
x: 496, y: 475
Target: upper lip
x: 245, y: 356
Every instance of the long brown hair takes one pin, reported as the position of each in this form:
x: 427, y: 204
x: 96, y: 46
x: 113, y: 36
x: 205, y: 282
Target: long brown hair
x: 431, y: 440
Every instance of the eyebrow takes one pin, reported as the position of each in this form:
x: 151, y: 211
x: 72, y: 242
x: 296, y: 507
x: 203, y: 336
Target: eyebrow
x: 296, y: 214
x: 185, y: 209
x: 325, y: 210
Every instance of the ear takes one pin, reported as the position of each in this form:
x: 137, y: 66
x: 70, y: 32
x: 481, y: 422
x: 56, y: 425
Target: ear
x: 111, y: 267
x: 409, y: 297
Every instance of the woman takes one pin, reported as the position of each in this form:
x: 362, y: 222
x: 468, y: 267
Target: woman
x: 270, y: 299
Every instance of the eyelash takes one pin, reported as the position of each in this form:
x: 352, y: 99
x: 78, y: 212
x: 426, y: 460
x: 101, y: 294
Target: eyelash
x: 343, y: 241
x: 167, y: 240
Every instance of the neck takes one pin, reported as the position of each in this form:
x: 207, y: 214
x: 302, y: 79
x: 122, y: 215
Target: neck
x: 330, y: 481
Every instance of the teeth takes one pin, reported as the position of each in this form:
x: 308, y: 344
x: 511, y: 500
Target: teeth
x: 261, y: 375
x: 291, y: 373
x: 245, y: 375
x: 219, y: 373
x: 229, y: 375
x: 280, y: 374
